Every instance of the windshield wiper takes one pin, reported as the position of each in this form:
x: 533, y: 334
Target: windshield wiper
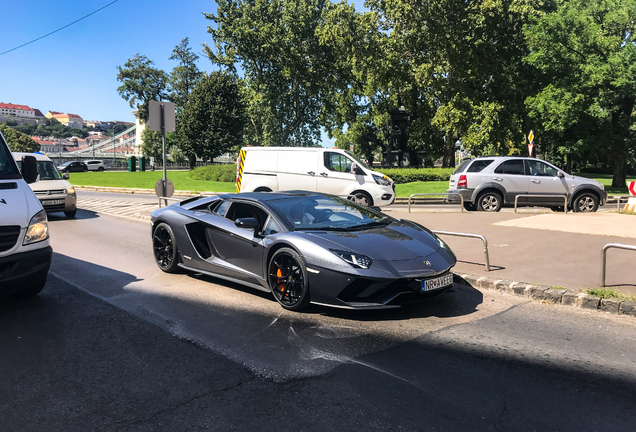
x: 370, y: 225
x: 322, y: 228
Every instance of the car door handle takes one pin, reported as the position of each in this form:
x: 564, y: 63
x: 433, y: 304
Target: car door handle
x: 311, y: 173
x: 498, y: 179
x: 324, y: 174
x: 536, y: 181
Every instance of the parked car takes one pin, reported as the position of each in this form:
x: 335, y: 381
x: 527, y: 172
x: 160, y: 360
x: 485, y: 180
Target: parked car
x: 304, y: 247
x: 53, y: 189
x: 95, y: 165
x: 25, y: 250
x: 72, y: 166
x: 332, y: 171
x: 487, y: 183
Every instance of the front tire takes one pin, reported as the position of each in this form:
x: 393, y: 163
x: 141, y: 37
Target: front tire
x: 586, y: 203
x: 287, y: 279
x: 165, y: 249
x: 361, y: 198
x: 490, y: 202
x: 100, y: 169
x: 70, y: 214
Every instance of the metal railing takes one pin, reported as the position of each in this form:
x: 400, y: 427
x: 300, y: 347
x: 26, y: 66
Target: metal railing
x: 565, y: 200
x: 481, y: 237
x: 461, y: 198
x: 618, y: 202
x: 604, y: 256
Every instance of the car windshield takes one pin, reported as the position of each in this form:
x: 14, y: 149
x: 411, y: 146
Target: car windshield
x: 65, y: 164
x: 8, y: 169
x: 319, y: 212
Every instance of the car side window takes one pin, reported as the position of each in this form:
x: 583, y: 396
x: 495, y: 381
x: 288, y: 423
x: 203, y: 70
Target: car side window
x: 337, y: 162
x: 220, y: 208
x: 538, y: 168
x: 513, y: 166
x: 239, y: 210
x: 271, y: 227
x: 479, y: 165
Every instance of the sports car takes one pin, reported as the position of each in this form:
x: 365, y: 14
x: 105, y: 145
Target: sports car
x: 304, y: 247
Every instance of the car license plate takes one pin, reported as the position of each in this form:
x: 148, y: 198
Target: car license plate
x: 437, y: 283
x: 52, y: 202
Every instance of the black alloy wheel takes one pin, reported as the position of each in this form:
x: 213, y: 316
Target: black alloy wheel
x: 490, y: 202
x: 288, y: 279
x: 165, y: 248
x: 585, y: 203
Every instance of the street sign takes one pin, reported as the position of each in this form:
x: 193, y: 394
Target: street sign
x: 632, y: 188
x: 155, y: 112
x: 169, y: 188
x: 530, y: 147
x: 531, y: 137
x: 531, y: 143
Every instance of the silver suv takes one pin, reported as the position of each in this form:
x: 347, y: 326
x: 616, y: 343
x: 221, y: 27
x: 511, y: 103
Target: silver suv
x: 488, y: 183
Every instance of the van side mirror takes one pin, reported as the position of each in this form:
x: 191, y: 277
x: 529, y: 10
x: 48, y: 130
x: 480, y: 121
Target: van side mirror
x: 355, y: 169
x: 560, y: 174
x: 29, y: 169
x: 65, y: 176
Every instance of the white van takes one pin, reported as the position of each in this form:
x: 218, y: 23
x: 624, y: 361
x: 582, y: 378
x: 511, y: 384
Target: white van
x: 53, y: 189
x: 25, y: 252
x: 331, y: 171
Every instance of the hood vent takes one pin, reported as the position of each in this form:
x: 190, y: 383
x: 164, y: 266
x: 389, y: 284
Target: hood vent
x: 10, y: 185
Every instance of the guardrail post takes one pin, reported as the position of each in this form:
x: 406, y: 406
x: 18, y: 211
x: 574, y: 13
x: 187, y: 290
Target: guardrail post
x: 604, y: 256
x: 461, y: 198
x: 565, y: 200
x: 481, y: 237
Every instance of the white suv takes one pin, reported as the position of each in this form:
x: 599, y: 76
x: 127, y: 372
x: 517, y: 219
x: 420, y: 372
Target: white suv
x: 488, y: 183
x: 95, y: 165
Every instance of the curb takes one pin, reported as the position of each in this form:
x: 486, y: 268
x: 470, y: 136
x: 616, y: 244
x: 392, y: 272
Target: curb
x: 549, y: 295
x: 140, y: 191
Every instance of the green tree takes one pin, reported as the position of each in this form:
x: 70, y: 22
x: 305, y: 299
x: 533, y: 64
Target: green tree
x: 184, y: 77
x: 285, y: 68
x: 141, y: 83
x: 586, y: 51
x: 19, y: 142
x: 213, y: 120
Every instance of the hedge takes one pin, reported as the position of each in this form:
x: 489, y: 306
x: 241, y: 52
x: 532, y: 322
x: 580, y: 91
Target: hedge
x: 221, y: 173
x: 409, y: 175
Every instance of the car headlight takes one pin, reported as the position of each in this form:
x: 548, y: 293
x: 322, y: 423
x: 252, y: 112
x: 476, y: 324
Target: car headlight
x: 355, y: 259
x: 38, y: 229
x: 70, y: 190
x: 443, y: 244
x: 382, y: 180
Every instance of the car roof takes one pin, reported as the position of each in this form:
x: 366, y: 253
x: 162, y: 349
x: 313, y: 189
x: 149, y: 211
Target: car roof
x: 17, y: 156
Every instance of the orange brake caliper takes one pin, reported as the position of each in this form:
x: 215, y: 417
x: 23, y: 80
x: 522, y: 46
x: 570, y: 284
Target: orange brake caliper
x: 281, y: 286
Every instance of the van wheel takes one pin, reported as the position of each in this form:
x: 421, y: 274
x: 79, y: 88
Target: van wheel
x: 263, y: 189
x: 70, y: 214
x: 361, y: 198
x: 490, y: 202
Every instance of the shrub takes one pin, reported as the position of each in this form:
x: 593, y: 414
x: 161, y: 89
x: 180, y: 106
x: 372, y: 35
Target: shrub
x: 409, y: 175
x: 221, y: 173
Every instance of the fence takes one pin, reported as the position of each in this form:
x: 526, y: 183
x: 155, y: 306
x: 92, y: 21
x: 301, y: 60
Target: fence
x: 461, y: 198
x: 604, y: 256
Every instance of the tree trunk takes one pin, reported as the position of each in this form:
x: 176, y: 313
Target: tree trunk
x: 568, y: 164
x: 620, y: 172
x: 448, y: 160
x: 193, y: 162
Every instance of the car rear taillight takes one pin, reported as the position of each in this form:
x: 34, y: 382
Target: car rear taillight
x: 462, y: 182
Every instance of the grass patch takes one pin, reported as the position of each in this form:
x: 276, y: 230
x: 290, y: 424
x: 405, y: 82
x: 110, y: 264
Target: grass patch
x: 559, y: 287
x: 147, y: 180
x: 408, y: 189
x: 610, y: 293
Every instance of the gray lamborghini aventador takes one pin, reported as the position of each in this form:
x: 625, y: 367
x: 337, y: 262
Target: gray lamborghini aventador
x: 304, y: 247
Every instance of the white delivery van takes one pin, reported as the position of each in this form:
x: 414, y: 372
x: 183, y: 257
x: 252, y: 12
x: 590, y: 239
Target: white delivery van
x: 53, y: 189
x: 331, y: 171
x: 25, y: 252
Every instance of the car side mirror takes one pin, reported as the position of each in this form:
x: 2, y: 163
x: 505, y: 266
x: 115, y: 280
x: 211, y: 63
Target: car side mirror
x: 247, y: 223
x: 65, y: 176
x: 29, y: 169
x: 560, y: 174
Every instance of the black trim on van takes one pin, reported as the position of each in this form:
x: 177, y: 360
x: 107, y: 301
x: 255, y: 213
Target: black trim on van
x: 262, y: 174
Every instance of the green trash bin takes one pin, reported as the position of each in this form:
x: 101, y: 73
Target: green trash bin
x: 142, y: 163
x: 132, y: 164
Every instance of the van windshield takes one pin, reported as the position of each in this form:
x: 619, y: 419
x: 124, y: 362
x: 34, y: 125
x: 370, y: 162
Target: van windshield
x: 358, y: 161
x: 47, y: 170
x: 8, y: 169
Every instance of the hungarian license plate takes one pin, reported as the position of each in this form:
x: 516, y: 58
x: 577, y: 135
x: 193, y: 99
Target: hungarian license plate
x: 52, y: 202
x: 437, y: 283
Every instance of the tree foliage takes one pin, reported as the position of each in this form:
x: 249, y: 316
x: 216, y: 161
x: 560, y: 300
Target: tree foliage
x: 212, y: 121
x: 19, y: 142
x: 141, y: 83
x: 586, y: 52
x: 185, y: 76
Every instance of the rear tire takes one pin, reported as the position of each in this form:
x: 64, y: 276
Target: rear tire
x: 490, y: 202
x: 100, y: 169
x: 165, y: 249
x: 468, y: 206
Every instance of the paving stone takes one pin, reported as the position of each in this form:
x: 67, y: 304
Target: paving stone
x: 586, y: 301
x: 485, y: 282
x: 628, y: 308
x: 535, y: 292
x: 502, y: 285
x: 518, y: 288
x: 610, y: 305
x: 471, y: 280
x: 569, y: 298
x: 554, y: 295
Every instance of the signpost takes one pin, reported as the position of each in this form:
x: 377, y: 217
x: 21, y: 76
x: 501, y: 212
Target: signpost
x: 531, y: 143
x: 161, y: 119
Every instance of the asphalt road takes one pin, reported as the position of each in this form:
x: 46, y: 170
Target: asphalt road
x: 114, y: 344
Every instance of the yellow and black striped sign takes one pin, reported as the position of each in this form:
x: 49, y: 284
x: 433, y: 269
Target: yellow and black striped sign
x: 239, y: 169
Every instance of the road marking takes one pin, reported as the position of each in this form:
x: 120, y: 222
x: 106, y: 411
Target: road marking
x: 127, y: 209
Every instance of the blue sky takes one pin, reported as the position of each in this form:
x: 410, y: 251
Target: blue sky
x: 75, y: 70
